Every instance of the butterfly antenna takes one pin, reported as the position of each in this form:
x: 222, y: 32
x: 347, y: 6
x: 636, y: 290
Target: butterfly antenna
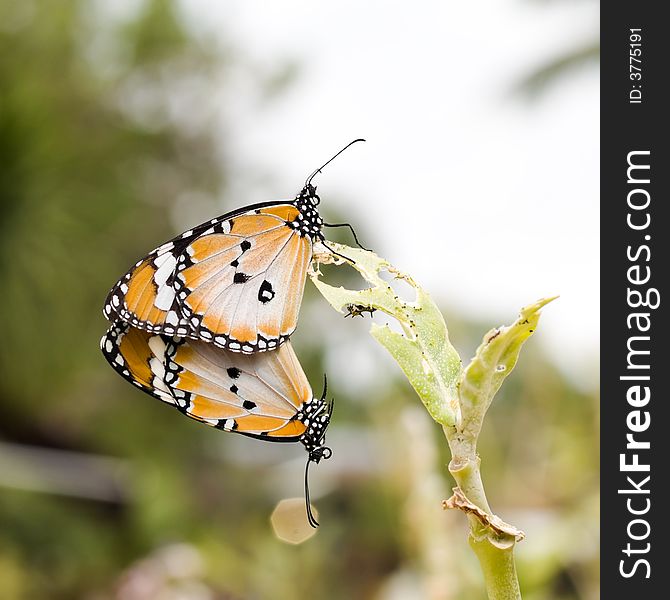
x: 309, y: 179
x: 352, y: 233
x: 310, y: 517
x: 325, y: 387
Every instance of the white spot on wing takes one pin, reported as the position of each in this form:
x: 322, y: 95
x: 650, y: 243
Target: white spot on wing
x: 158, y: 370
x: 164, y: 395
x: 164, y: 248
x: 164, y: 298
x: 166, y: 264
x: 157, y: 346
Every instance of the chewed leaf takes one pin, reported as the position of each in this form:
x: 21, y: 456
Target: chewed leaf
x: 423, y: 378
x: 369, y: 265
x: 422, y: 350
x: 494, y: 360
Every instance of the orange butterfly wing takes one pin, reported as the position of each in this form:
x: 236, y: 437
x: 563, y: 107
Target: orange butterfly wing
x: 258, y: 395
x: 127, y: 350
x: 236, y: 281
x: 242, y: 289
x: 145, y: 296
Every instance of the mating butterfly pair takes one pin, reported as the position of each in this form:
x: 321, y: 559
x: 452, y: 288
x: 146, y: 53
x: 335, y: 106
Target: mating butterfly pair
x: 202, y: 323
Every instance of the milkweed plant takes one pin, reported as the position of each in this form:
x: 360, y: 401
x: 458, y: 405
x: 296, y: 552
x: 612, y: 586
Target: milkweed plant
x: 457, y: 398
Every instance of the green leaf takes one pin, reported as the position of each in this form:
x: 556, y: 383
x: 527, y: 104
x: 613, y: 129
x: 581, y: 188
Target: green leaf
x: 422, y: 350
x: 494, y: 360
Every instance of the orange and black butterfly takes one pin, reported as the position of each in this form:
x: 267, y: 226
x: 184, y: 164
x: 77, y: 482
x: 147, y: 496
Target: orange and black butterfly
x: 236, y: 281
x: 265, y: 396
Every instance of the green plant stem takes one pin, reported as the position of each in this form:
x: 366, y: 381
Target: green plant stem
x: 494, y: 550
x: 456, y: 398
x: 499, y: 570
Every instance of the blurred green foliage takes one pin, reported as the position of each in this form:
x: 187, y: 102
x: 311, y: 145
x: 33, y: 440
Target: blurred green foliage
x: 568, y: 62
x: 105, y: 493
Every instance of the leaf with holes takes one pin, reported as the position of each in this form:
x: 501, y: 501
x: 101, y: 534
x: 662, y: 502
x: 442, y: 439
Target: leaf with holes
x: 423, y: 350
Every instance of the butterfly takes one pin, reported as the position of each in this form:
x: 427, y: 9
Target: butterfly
x: 236, y: 281
x: 264, y: 396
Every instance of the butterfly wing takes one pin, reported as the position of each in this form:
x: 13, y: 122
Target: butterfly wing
x: 242, y: 288
x: 127, y: 350
x: 145, y: 295
x: 258, y: 395
x: 236, y: 281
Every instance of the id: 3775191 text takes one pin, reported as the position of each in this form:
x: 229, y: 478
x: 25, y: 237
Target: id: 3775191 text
x: 635, y: 66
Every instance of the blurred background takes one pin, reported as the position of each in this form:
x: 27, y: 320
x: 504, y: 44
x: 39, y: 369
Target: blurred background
x: 124, y: 123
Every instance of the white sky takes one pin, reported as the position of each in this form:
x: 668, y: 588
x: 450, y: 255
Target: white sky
x: 488, y: 200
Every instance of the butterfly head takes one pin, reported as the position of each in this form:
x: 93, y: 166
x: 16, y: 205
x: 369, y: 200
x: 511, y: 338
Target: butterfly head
x: 308, y: 196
